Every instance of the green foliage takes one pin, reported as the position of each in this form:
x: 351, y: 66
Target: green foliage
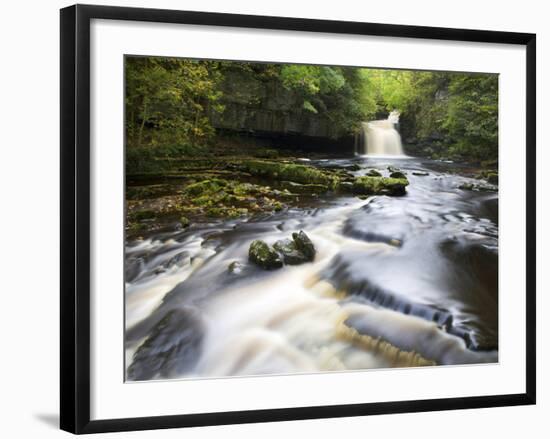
x: 168, y: 100
x: 339, y: 94
x: 289, y: 172
x: 459, y: 111
x: 157, y: 159
x: 172, y: 104
x: 472, y: 117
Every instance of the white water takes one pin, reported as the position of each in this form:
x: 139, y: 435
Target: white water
x: 380, y: 138
x: 311, y: 317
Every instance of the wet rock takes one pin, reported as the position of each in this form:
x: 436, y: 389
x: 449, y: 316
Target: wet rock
x: 490, y: 175
x: 288, y: 249
x: 374, y: 173
x: 235, y: 267
x: 290, y: 172
x: 264, y: 256
x: 304, y: 245
x: 353, y: 167
x: 393, y: 169
x: 398, y: 174
x: 420, y: 173
x: 467, y: 186
x: 379, y: 186
x: 492, y: 178
x: 172, y: 347
x: 478, y: 187
x: 184, y: 222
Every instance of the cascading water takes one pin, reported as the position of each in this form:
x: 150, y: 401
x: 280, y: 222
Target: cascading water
x: 396, y: 282
x: 381, y: 138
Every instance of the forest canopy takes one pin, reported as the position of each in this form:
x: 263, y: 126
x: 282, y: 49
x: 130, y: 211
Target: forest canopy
x: 185, y: 104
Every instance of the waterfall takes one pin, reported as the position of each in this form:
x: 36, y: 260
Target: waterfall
x: 381, y: 138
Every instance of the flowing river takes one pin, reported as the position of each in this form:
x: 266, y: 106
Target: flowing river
x: 396, y: 282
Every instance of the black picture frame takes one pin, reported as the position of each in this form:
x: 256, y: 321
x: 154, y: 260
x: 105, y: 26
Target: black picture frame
x: 75, y: 217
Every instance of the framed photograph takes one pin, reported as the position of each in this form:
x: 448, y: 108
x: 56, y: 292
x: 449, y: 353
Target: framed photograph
x: 273, y: 218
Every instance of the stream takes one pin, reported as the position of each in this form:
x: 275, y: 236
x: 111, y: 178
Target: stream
x: 396, y: 282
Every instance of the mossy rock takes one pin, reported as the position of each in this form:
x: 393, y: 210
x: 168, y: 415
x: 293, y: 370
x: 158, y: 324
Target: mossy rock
x: 374, y: 173
x: 310, y: 188
x: 184, y: 221
x: 398, y: 174
x: 142, y: 215
x: 205, y: 187
x: 227, y: 212
x: 354, y: 167
x: 264, y: 256
x: 290, y: 172
x: 377, y: 186
x: 304, y: 245
x: 467, y: 186
x: 288, y: 249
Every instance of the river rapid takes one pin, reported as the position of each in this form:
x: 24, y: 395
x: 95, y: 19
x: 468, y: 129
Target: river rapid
x: 396, y: 282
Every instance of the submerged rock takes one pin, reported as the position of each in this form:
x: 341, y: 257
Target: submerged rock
x: 304, y: 245
x: 393, y: 168
x: 264, y: 256
x: 235, y: 267
x: 374, y: 173
x: 420, y: 173
x: 289, y: 250
x: 171, y: 348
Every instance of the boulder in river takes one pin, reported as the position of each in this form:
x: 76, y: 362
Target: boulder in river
x: 304, y: 245
x: 289, y: 250
x: 398, y: 174
x: 420, y: 173
x: 374, y: 173
x: 379, y: 186
x: 235, y: 267
x: 264, y: 256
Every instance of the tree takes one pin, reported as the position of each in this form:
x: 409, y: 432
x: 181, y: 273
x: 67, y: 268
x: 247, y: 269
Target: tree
x: 168, y: 100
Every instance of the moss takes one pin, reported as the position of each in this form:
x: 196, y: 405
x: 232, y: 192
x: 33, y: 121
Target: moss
x: 290, y: 172
x: 305, y: 188
x: 290, y: 253
x: 226, y: 212
x: 304, y: 245
x: 142, y: 214
x: 205, y: 187
x: 263, y: 255
x: 374, y: 173
x: 134, y: 227
x: 398, y: 174
x: 490, y: 175
x: 466, y: 186
x: 184, y: 221
x: 376, y: 186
